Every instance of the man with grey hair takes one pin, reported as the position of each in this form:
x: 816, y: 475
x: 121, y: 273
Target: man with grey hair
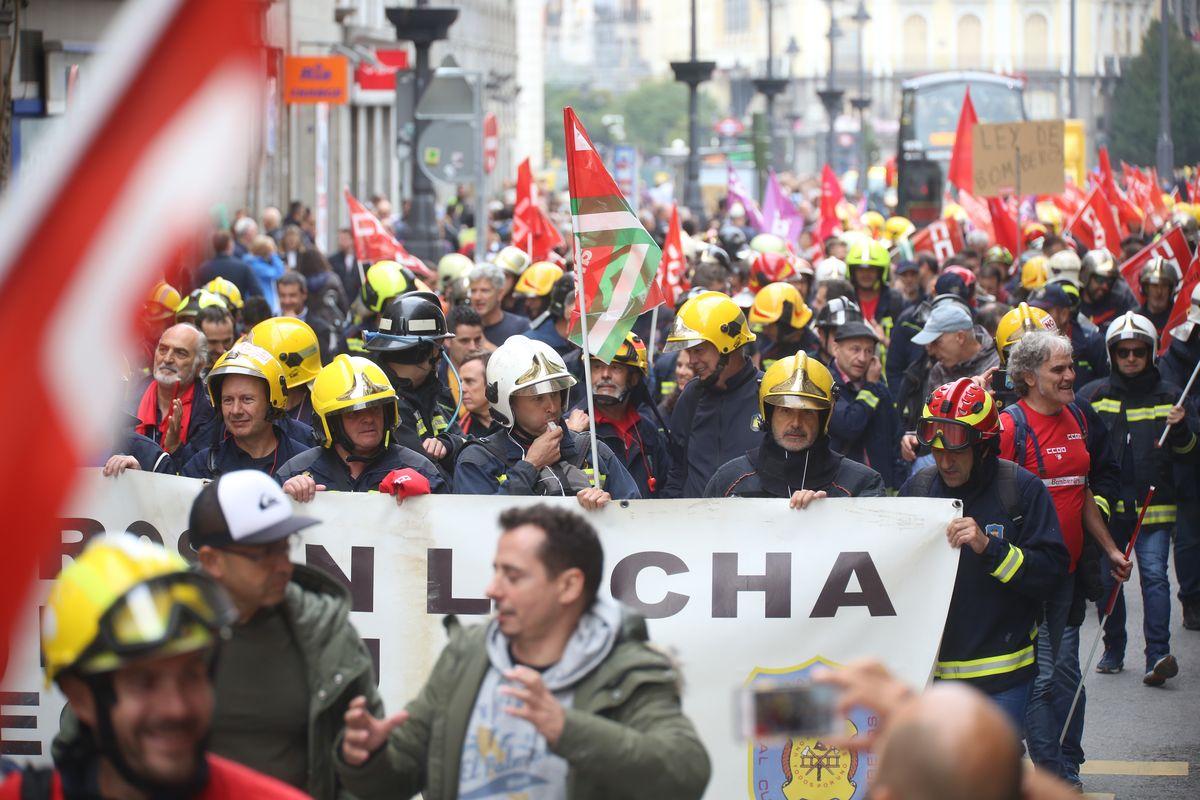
x: 487, y: 290
x: 1064, y: 443
x: 244, y: 231
x: 171, y: 409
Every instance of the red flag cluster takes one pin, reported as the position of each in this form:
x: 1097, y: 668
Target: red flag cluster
x: 374, y: 242
x: 831, y: 195
x: 672, y: 271
x: 532, y: 230
x: 1173, y: 247
x: 1094, y: 226
x: 943, y: 238
x: 1183, y: 302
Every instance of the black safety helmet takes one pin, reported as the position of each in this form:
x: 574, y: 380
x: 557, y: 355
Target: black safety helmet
x: 413, y: 321
x: 562, y: 296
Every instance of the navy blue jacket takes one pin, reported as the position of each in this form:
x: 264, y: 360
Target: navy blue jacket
x: 751, y: 475
x: 232, y: 269
x: 865, y: 427
x: 901, y: 352
x: 711, y: 427
x: 202, y: 424
x: 648, y: 458
x: 509, y: 325
x: 150, y: 456
x: 326, y: 467
x: 211, y: 462
x: 480, y: 471
x: 1091, y: 358
x: 991, y: 629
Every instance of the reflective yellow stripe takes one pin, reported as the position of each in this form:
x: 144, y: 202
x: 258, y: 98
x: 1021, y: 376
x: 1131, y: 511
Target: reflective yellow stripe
x: 1155, y: 515
x: 501, y: 478
x: 1009, y: 566
x: 983, y: 667
x: 867, y: 397
x: 1148, y: 413
x: 1107, y: 406
x: 666, y: 387
x: 603, y: 478
x: 1102, y: 504
x: 1186, y: 448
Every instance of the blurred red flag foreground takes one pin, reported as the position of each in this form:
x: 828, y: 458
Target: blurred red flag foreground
x: 156, y: 136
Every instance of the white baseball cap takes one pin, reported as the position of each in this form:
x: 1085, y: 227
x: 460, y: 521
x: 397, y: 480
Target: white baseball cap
x: 243, y: 507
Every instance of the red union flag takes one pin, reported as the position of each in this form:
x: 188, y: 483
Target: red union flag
x: 1094, y: 225
x: 942, y: 238
x: 532, y: 230
x: 1183, y: 303
x: 158, y: 136
x: 672, y: 272
x: 1173, y: 247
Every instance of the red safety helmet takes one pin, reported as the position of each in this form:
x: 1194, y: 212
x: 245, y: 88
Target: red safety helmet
x: 958, y: 415
x: 770, y: 268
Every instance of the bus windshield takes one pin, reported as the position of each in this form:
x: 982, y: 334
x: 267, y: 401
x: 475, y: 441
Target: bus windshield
x: 938, y: 107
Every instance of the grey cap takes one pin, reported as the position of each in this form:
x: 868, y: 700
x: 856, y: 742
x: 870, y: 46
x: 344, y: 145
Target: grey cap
x: 944, y: 318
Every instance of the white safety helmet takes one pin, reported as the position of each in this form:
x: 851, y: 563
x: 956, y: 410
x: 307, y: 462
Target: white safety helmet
x: 525, y: 367
x: 1130, y: 325
x: 513, y: 260
x: 1065, y: 264
x: 1183, y: 331
x: 829, y: 269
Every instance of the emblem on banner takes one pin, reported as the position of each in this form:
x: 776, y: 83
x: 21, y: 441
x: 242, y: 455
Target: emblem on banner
x: 806, y: 768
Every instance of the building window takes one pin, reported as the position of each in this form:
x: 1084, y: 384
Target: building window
x: 737, y: 16
x: 1037, y: 42
x: 970, y: 42
x: 914, y: 39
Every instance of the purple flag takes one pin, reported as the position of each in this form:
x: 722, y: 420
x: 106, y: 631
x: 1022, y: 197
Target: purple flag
x: 738, y: 194
x: 781, y: 217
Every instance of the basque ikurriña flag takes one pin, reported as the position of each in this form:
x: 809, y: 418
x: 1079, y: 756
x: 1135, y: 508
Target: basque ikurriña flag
x: 615, y: 257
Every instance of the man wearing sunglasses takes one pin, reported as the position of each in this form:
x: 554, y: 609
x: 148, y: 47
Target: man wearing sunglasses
x: 294, y: 661
x: 129, y: 635
x: 1011, y: 552
x: 1136, y: 403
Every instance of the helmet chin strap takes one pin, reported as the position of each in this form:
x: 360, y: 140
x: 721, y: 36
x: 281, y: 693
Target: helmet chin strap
x: 712, y: 380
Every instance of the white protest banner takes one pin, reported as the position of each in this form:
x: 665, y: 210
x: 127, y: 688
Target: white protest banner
x: 737, y: 589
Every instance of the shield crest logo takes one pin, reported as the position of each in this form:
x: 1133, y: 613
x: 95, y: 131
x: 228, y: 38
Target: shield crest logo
x: 806, y: 768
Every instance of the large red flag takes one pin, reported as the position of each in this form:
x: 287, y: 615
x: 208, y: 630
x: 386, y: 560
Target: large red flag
x: 672, y: 272
x: 1173, y: 247
x: 532, y: 230
x: 977, y: 213
x: 1008, y: 235
x: 942, y: 238
x: 157, y: 138
x: 831, y: 195
x: 1183, y: 302
x: 961, y: 172
x: 374, y: 242
x: 1094, y: 225
x: 1127, y: 215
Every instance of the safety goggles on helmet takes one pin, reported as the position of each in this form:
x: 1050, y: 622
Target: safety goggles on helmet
x: 950, y: 434
x: 172, y: 614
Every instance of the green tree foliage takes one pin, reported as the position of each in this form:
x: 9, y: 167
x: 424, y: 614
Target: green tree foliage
x: 1135, y: 102
x: 654, y: 114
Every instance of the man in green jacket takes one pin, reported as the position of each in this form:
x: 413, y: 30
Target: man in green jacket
x: 559, y: 696
x: 286, y: 677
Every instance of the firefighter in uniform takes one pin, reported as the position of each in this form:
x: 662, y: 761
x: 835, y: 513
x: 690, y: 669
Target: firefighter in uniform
x: 357, y: 410
x: 1135, y: 404
x: 1011, y: 552
x: 793, y: 459
x: 294, y: 343
x: 782, y: 312
x: 1102, y: 289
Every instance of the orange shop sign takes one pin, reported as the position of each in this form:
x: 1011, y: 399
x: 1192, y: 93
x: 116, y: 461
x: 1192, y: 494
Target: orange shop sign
x: 316, y: 79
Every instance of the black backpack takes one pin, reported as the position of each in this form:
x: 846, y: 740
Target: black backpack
x: 1006, y: 485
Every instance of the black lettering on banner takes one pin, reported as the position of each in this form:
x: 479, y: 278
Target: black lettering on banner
x: 623, y: 583
x: 143, y: 528
x: 11, y: 747
x: 361, y: 582
x: 776, y: 584
x: 52, y: 562
x: 373, y: 649
x: 440, y: 590
x: 834, y: 594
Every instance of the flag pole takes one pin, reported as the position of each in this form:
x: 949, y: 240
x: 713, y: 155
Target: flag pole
x: 580, y: 298
x: 653, y: 334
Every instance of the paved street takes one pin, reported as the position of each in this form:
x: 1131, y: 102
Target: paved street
x: 1142, y: 742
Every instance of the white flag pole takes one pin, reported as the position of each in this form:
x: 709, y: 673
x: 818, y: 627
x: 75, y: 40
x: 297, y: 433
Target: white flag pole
x: 580, y: 300
x: 653, y: 335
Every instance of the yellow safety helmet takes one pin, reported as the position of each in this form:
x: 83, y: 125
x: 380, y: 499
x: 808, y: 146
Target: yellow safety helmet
x: 352, y: 383
x: 898, y: 228
x: 797, y: 382
x: 868, y: 253
x: 709, y: 317
x: 1049, y: 215
x: 453, y: 266
x: 162, y: 301
x: 386, y: 280
x: 512, y: 260
x: 632, y: 353
x: 538, y: 280
x: 190, y: 306
x: 1033, y: 273
x: 255, y: 361
x: 227, y: 289
x: 953, y: 211
x: 873, y: 221
x: 1016, y: 323
x: 294, y: 343
x: 125, y: 598
x: 774, y: 300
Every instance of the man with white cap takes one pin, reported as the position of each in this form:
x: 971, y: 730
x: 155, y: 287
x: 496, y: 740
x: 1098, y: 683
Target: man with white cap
x: 294, y: 662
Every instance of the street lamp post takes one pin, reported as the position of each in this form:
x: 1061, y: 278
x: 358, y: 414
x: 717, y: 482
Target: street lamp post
x: 831, y: 98
x: 1166, y: 148
x: 1071, y: 68
x: 770, y: 86
x: 423, y: 26
x: 693, y: 73
x: 862, y: 102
